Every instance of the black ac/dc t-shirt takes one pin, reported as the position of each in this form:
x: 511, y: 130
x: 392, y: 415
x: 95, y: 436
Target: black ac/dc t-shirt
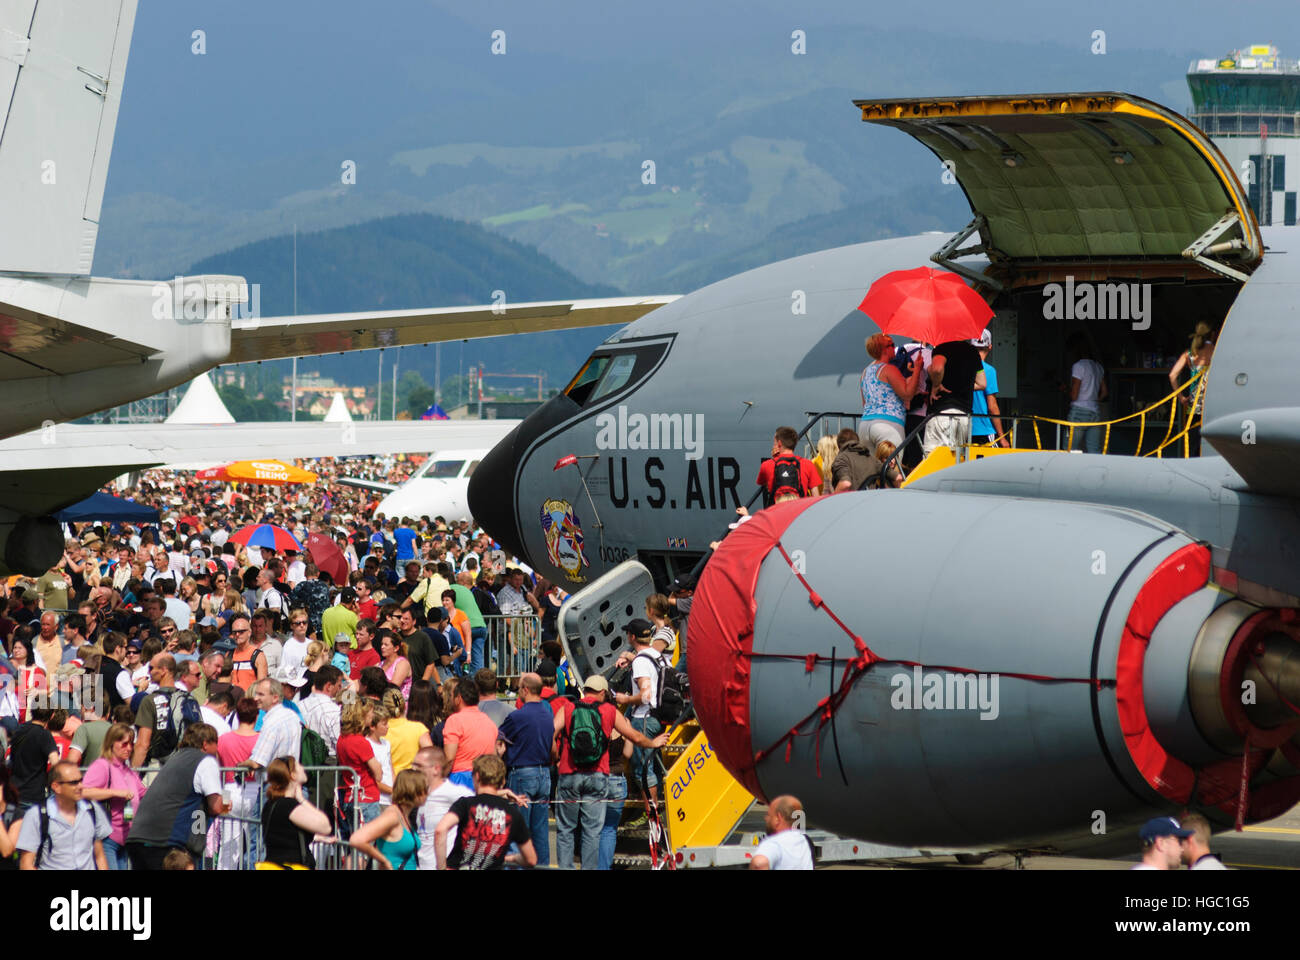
x: 962, y: 365
x: 32, y: 746
x: 488, y: 825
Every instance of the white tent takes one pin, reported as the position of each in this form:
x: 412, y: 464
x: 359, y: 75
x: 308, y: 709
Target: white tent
x: 338, y: 411
x: 201, y: 404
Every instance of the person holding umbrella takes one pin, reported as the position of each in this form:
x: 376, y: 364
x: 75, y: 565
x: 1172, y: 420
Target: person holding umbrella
x: 935, y: 306
x: 886, y: 393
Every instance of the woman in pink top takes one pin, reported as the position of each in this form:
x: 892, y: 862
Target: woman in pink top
x: 111, y: 779
x: 396, y: 667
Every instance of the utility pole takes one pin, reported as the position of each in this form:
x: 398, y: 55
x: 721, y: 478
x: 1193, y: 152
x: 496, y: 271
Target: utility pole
x: 293, y: 377
x: 379, y: 385
x: 437, y: 373
x: 396, y: 358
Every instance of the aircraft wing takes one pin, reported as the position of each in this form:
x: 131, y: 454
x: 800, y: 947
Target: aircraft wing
x: 375, y: 486
x: 46, y: 470
x: 270, y: 338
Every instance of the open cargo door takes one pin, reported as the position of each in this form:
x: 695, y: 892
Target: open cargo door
x: 1081, y: 177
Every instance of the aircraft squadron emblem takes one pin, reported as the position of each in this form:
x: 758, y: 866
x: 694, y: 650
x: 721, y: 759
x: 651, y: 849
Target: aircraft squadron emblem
x: 563, y: 532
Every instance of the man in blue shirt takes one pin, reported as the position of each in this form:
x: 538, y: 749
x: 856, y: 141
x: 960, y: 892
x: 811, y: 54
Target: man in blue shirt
x: 986, y: 420
x: 528, y: 734
x: 406, y: 539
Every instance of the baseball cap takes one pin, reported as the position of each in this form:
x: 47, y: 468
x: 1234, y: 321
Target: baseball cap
x: 135, y: 645
x: 642, y: 629
x: 343, y: 638
x: 295, y: 678
x: 1159, y: 827
x: 596, y: 682
x: 985, y: 339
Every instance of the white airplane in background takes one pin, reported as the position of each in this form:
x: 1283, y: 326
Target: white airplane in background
x: 439, y: 488
x: 72, y: 344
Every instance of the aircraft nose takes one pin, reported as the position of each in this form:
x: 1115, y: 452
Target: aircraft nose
x: 495, y: 499
x: 491, y: 493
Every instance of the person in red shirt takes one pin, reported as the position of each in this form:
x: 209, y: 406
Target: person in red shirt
x: 364, y: 653
x: 359, y: 787
x: 781, y: 487
x: 367, y: 609
x: 581, y: 790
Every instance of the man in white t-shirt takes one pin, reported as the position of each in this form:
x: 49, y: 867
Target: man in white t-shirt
x: 786, y: 846
x: 294, y: 653
x: 267, y: 597
x: 296, y: 571
x: 1087, y: 390
x: 173, y: 607
x: 644, y: 769
x: 1196, y: 848
x: 442, y: 794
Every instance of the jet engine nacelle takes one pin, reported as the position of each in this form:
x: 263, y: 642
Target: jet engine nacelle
x: 952, y: 670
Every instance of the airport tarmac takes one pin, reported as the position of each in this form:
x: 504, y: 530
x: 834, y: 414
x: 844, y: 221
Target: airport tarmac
x: 1272, y: 845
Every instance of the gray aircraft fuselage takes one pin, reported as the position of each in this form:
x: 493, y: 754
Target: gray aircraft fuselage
x: 668, y: 457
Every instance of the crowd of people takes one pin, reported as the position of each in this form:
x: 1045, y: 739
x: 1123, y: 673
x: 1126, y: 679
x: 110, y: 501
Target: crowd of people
x: 162, y: 675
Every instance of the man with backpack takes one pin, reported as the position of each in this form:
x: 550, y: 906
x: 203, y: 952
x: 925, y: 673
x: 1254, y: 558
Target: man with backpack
x: 163, y: 715
x: 65, y: 832
x: 582, y: 732
x: 787, y: 476
x: 656, y: 702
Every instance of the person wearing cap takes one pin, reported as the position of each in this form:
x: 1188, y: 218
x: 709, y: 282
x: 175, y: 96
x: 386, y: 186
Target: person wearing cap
x: 580, y: 798
x: 1162, y: 847
x: 341, y: 618
x: 427, y: 591
x: 643, y: 699
x: 1196, y: 848
x: 986, y: 422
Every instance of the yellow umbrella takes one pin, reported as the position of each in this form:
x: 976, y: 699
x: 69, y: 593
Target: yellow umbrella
x: 258, y: 471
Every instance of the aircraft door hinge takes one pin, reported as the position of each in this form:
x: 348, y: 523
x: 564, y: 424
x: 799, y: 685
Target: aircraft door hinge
x: 98, y: 85
x: 946, y: 256
x: 1204, y: 245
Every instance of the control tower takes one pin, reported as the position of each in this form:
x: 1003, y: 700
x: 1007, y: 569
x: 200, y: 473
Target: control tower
x: 1249, y: 104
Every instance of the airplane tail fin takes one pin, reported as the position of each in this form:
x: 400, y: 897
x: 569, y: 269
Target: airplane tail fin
x: 62, y: 63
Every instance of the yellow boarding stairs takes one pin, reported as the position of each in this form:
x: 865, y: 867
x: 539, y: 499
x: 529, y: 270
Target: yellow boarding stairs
x: 1166, y: 407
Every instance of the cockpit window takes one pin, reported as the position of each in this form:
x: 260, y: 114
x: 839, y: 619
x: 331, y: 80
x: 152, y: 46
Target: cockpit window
x: 618, y: 371
x: 617, y: 376
x: 445, y: 469
x: 579, y: 389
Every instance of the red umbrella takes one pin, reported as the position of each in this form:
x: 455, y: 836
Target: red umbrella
x: 930, y: 305
x: 328, y: 558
